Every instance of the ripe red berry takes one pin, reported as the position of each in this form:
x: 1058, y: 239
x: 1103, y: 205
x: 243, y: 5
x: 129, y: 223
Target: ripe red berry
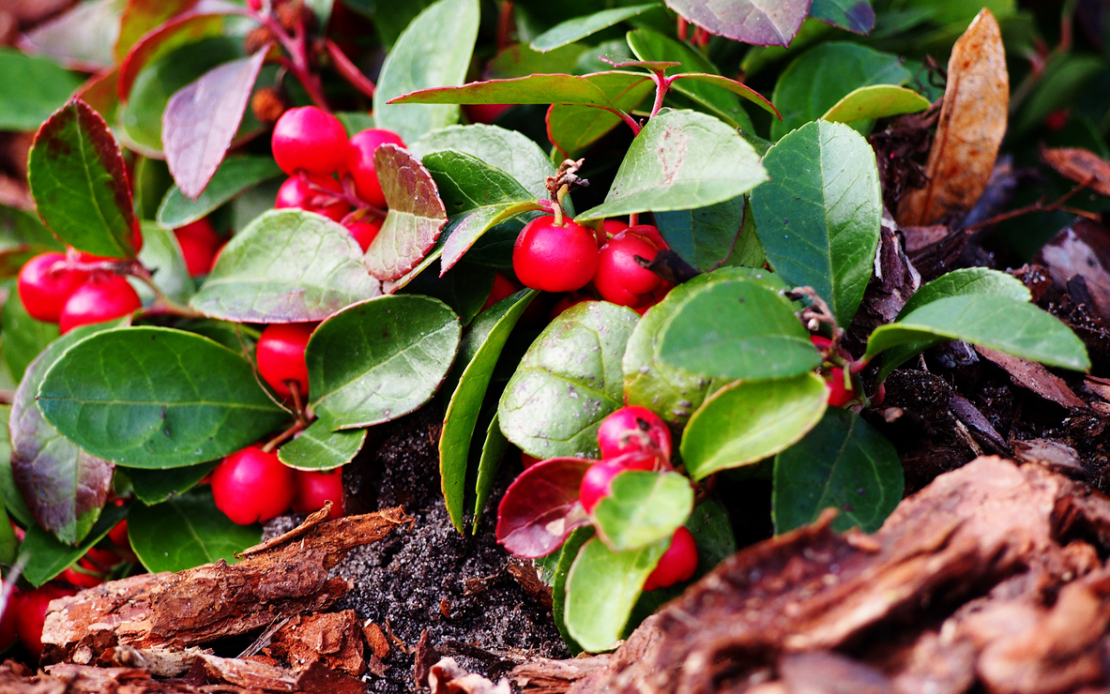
x: 553, y: 258
x: 30, y: 614
x: 82, y: 575
x: 359, y: 163
x: 102, y: 298
x: 838, y: 394
x: 597, y: 483
x: 619, y: 278
x: 8, y: 618
x: 633, y: 428
x: 612, y: 227
x: 309, y: 139
x: 314, y: 488
x: 820, y: 342
x: 364, y: 232
x: 199, y: 243
x: 485, y: 113
x: 45, y: 284
x: 502, y: 287
x: 251, y: 486
x: 295, y: 192
x: 528, y: 461
x: 677, y: 564
x: 118, y: 535
x: 280, y: 355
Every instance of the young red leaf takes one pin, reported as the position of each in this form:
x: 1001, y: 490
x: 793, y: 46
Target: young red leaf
x: 201, y: 120
x: 540, y: 508
x: 757, y: 22
x: 142, y: 16
x: 176, y: 32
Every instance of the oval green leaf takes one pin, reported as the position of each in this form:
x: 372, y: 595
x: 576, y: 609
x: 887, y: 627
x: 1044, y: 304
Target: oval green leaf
x: 320, y: 448
x: 10, y: 496
x: 644, y: 508
x: 155, y: 486
x: 234, y: 176
x: 24, y: 337
x: 507, y: 150
x: 579, y: 28
x: 489, y: 462
x: 33, y: 88
x: 964, y: 282
x: 47, y: 556
x: 856, y: 16
x: 161, y: 255
x: 876, y: 101
x: 573, y: 128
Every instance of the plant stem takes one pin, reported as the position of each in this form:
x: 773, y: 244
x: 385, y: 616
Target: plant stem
x: 662, y: 85
x: 163, y: 305
x: 1039, y: 206
x: 504, y: 25
x: 284, y: 436
x: 628, y: 120
x: 346, y: 196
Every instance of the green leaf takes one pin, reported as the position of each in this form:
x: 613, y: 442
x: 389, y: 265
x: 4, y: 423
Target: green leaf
x: 712, y: 530
x: 380, y: 359
x: 681, y: 160
x: 567, y: 554
x: 856, y: 16
x: 235, y: 175
x: 355, y: 121
x: 152, y: 180
x: 162, y: 256
x: 994, y: 322
x: 467, y: 383
x: 32, y: 89
x: 10, y: 496
x: 877, y: 101
x: 155, y: 486
x: 824, y: 75
x: 156, y: 398
x: 24, y: 337
x: 47, y: 556
x: 843, y: 463
x: 703, y: 236
x: 9, y: 543
x: 585, y: 90
x: 602, y: 588
x: 464, y: 288
x: 644, y: 508
x: 434, y: 51
x: 504, y: 149
x: 489, y: 463
x: 319, y: 448
x: 568, y: 381
x: 579, y: 28
x: 142, y: 16
x: 748, y: 421
x: 965, y: 282
x: 520, y: 60
x: 573, y: 128
x: 187, y: 531
x: 79, y: 182
x: 739, y: 329
x: 286, y: 266
x: 818, y: 218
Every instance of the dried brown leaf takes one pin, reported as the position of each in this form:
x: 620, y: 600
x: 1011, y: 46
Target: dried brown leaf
x: 1080, y: 166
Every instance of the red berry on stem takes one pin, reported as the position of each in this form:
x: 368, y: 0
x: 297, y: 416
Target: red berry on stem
x: 309, y: 139
x: 314, y: 488
x: 295, y: 192
x: 82, y: 575
x: 359, y: 163
x: 597, y: 483
x: 677, y: 564
x: 364, y: 232
x: 102, y: 298
x: 555, y: 258
x: 619, y: 278
x: 633, y: 428
x: 280, y: 355
x: 30, y: 614
x: 612, y: 227
x: 45, y: 284
x: 838, y: 394
x: 118, y: 535
x: 251, y: 486
x: 199, y: 243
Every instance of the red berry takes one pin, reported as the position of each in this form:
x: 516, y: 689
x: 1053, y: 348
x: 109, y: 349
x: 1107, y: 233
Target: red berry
x: 45, y: 284
x: 102, y: 298
x: 309, y: 139
x: 199, y: 243
x: 838, y: 394
x: 82, y: 575
x: 364, y: 232
x: 502, y: 287
x: 597, y: 483
x: 612, y: 227
x: 572, y: 299
x: 280, y: 355
x: 677, y: 564
x: 359, y: 163
x: 633, y: 428
x: 30, y: 614
x: 1056, y: 120
x: 251, y: 486
x: 619, y: 278
x: 255, y: 5
x: 485, y: 113
x: 314, y: 488
x: 8, y: 618
x: 118, y: 535
x: 553, y: 258
x: 295, y: 192
x: 528, y: 461
x: 820, y: 342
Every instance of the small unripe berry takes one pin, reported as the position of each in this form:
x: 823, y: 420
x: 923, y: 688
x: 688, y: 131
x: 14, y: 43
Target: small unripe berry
x: 280, y: 355
x: 45, y: 284
x: 633, y: 428
x: 619, y: 279
x: 251, y: 486
x: 199, y: 242
x: 102, y: 298
x: 309, y: 139
x: 314, y: 488
x: 295, y: 192
x: 555, y: 258
x: 359, y: 163
x: 677, y: 564
x: 597, y: 483
x: 30, y: 614
x: 364, y: 232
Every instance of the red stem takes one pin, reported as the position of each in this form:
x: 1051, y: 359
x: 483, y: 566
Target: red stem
x: 504, y: 25
x: 349, y: 70
x: 682, y: 28
x: 662, y: 84
x: 629, y: 120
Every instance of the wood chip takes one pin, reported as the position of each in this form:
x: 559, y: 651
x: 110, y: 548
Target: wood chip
x: 1081, y: 166
x: 331, y: 638
x: 1035, y: 377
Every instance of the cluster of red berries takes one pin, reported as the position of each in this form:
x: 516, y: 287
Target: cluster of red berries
x: 55, y: 288
x: 312, y: 148
x: 200, y: 246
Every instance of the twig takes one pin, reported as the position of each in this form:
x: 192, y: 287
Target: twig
x: 1039, y: 206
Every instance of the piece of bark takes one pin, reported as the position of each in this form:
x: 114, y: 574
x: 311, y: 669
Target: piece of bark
x: 824, y: 672
x: 524, y: 571
x: 893, y: 281
x: 1081, y: 166
x: 1035, y: 377
x: 545, y: 676
x: 447, y: 677
x: 376, y: 640
x: 68, y: 678
x: 332, y: 638
x: 425, y: 657
x: 1081, y: 249
x: 1047, y: 452
x: 210, y: 602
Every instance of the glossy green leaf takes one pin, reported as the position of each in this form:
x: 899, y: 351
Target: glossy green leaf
x: 162, y: 256
x: 235, y: 175
x: 843, y: 462
x: 824, y: 75
x: 535, y: 89
x: 320, y: 448
x: 751, y: 420
x: 602, y: 587
x: 877, y: 101
x: 856, y: 16
x: 32, y: 89
x: 467, y: 383
x: 47, y: 556
x: 141, y: 16
x: 644, y: 508
x: 681, y: 160
x: 566, y: 556
x: 712, y: 529
x: 355, y: 121
x: 152, y: 181
x: 705, y: 236
x: 156, y: 398
x: 80, y: 184
x: 10, y: 496
x: 739, y: 329
x: 24, y: 337
x: 818, y: 218
x: 9, y: 543
x: 520, y: 59
x: 965, y: 282
x: 185, y: 532
x: 994, y: 322
x: 380, y: 359
x: 489, y: 463
x: 578, y: 28
x: 573, y: 128
x: 155, y: 486
x: 504, y: 149
x: 286, y: 266
x: 464, y: 288
x: 568, y: 381
x: 434, y: 51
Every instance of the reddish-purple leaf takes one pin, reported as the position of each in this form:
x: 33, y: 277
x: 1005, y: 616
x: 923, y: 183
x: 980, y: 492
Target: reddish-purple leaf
x: 201, y: 120
x: 177, y: 32
x: 142, y: 16
x: 856, y: 16
x: 759, y: 22
x: 80, y: 38
x: 100, y: 92
x: 416, y: 214
x: 540, y: 508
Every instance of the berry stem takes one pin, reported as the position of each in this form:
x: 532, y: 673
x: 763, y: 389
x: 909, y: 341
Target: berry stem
x: 297, y: 427
x: 683, y: 27
x: 629, y: 120
x: 559, y: 205
x: 633, y: 219
x: 298, y: 406
x: 295, y: 46
x: 163, y: 305
x: 348, y: 70
x: 346, y: 196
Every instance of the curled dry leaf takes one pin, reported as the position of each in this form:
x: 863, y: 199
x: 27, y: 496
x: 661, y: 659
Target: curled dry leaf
x: 972, y: 124
x: 1080, y: 166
